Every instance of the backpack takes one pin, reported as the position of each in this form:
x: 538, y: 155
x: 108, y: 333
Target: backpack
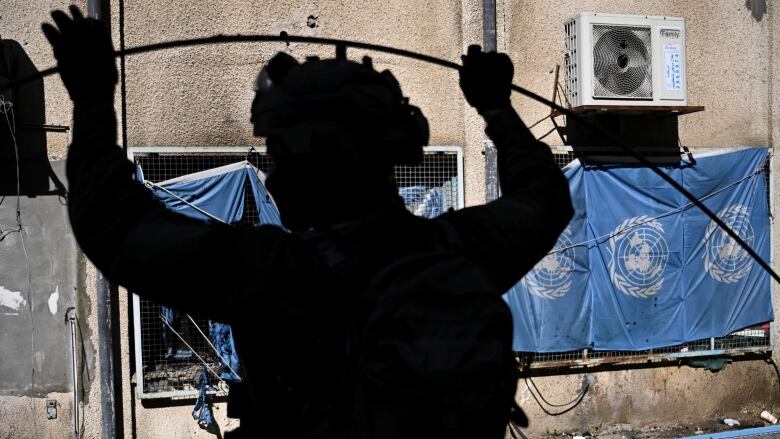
x: 434, y: 352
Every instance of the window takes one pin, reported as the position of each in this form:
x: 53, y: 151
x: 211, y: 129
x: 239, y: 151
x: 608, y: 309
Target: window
x: 167, y: 360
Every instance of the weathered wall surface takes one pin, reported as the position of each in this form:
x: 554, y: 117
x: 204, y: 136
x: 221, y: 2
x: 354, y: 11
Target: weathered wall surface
x: 25, y: 416
x: 731, y: 52
x: 651, y: 397
x: 39, y: 283
x: 201, y: 96
x: 20, y: 20
x: 727, y: 50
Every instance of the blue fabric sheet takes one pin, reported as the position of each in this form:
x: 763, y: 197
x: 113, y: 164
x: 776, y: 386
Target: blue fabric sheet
x: 202, y: 410
x: 221, y: 195
x: 222, y: 337
x: 638, y: 267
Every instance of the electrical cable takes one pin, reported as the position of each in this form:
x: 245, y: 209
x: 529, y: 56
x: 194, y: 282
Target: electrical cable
x: 536, y: 388
x: 286, y: 38
x: 574, y: 403
x: 514, y: 430
x: 600, y: 238
x: 7, y: 108
x: 549, y: 116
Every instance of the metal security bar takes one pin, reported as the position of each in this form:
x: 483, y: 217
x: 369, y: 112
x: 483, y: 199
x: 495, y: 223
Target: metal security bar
x: 750, y: 340
x: 165, y: 366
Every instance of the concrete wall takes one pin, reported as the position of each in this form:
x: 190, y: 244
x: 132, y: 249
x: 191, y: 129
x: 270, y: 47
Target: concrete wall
x: 25, y: 416
x: 728, y: 62
x: 201, y: 96
x: 730, y: 73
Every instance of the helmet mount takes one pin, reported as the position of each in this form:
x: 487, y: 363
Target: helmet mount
x: 361, y: 113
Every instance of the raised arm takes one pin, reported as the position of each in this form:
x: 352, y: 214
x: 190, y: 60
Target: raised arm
x: 510, y: 235
x: 130, y: 236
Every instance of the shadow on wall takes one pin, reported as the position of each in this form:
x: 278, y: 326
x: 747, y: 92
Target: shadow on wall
x: 23, y: 116
x: 757, y: 8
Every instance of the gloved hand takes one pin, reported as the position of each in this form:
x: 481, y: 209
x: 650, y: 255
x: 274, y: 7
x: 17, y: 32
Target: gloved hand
x: 486, y: 78
x: 85, y: 56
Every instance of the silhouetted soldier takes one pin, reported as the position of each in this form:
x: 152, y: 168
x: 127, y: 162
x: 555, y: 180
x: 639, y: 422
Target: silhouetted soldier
x: 362, y: 320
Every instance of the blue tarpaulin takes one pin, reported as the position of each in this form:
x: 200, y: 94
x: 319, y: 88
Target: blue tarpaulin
x: 639, y: 267
x: 216, y: 195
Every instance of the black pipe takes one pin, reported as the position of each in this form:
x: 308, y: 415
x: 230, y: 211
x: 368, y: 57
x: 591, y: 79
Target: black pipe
x: 489, y: 44
x: 109, y: 356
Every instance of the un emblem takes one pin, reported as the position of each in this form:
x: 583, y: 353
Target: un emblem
x: 724, y: 259
x: 639, y: 256
x: 551, y: 277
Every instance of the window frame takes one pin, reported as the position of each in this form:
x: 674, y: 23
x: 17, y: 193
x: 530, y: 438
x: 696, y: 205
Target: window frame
x: 137, y: 357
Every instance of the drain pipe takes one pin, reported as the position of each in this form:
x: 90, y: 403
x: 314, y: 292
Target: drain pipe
x: 108, y: 312
x: 489, y: 45
x: 71, y: 319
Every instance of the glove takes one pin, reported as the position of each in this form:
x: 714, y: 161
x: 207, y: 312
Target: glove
x: 85, y: 56
x: 486, y: 79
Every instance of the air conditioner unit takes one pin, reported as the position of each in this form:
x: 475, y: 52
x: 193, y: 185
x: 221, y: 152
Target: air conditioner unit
x: 616, y: 59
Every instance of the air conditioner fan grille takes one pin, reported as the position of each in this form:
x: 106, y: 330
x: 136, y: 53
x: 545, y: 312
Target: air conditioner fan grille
x: 622, y: 66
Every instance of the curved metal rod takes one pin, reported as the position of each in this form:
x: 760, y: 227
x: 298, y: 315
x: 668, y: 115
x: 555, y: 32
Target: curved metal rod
x: 285, y: 38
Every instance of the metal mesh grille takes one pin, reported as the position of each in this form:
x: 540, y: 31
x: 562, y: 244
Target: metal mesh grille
x: 437, y: 172
x: 753, y: 339
x: 564, y: 158
x: 167, y: 363
x: 622, y: 65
